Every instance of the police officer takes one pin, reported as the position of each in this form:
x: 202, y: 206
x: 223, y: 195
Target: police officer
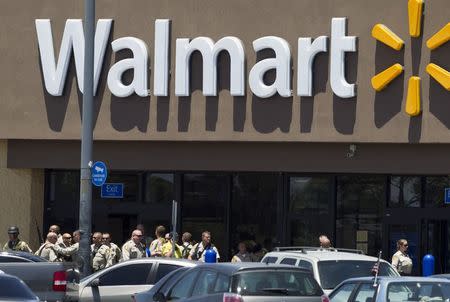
x: 45, y: 251
x: 198, y: 250
x: 14, y: 243
x: 71, y: 251
x: 242, y: 255
x: 100, y: 253
x: 133, y: 248
x: 157, y: 244
x: 115, y: 254
x: 57, y: 230
x: 186, y: 247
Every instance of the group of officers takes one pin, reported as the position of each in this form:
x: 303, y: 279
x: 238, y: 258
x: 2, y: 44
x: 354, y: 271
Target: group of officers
x: 104, y: 253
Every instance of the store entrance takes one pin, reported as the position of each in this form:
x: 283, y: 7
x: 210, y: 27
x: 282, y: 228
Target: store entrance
x: 427, y: 232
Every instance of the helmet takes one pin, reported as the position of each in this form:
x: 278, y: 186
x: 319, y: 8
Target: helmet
x: 13, y: 230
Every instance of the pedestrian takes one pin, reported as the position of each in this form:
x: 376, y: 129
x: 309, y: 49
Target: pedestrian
x: 57, y: 230
x: 115, y: 254
x: 133, y: 248
x: 157, y: 244
x: 186, y: 246
x: 242, y: 255
x: 14, y: 243
x: 144, y: 240
x: 66, y: 242
x: 45, y: 251
x: 168, y: 248
x: 71, y: 251
x: 401, y: 260
x: 100, y: 253
x: 258, y: 253
x: 324, y: 242
x: 198, y: 250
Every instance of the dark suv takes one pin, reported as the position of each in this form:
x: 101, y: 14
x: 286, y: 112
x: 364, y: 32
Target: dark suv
x: 236, y: 282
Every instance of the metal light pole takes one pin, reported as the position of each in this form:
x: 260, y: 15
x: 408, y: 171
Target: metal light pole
x: 87, y: 140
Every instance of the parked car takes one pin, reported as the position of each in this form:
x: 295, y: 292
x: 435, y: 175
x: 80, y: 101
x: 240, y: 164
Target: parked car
x: 236, y: 282
x: 329, y: 266
x: 48, y: 280
x: 444, y: 276
x: 117, y: 283
x: 392, y: 289
x: 7, y: 257
x: 14, y: 289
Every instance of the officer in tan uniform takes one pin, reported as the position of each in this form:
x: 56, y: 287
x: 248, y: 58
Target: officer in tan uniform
x: 45, y: 251
x: 71, y: 251
x: 115, y: 254
x: 133, y: 248
x: 14, y: 243
x: 157, y: 244
x: 100, y: 253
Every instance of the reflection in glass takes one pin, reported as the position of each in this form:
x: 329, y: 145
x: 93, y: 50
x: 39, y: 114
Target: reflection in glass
x: 405, y: 191
x: 435, y: 191
x: 359, y: 208
x: 254, y: 210
x: 159, y: 188
x: 203, y: 207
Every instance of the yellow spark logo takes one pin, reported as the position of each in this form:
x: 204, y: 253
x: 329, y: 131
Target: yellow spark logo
x: 383, y: 34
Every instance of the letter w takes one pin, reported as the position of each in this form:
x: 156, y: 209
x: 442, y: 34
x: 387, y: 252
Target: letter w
x: 73, y: 37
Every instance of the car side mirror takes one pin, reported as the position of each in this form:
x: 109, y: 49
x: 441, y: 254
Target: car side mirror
x: 159, y: 297
x: 95, y: 282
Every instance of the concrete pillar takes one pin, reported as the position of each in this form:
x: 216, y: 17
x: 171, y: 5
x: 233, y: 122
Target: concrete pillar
x: 21, y: 200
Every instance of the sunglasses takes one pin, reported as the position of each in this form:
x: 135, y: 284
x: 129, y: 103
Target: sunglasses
x: 67, y: 237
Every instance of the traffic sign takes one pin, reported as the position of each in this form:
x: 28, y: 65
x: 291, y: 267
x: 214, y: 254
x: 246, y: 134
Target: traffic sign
x: 99, y: 173
x: 110, y: 190
x: 447, y: 196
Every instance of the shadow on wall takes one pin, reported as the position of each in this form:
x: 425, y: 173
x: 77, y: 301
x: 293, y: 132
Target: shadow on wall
x: 320, y: 82
x: 415, y: 122
x: 133, y: 111
x: 56, y: 106
x: 344, y: 110
x: 388, y: 102
x: 274, y: 112
x: 439, y: 97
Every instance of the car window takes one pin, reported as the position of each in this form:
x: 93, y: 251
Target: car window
x: 269, y: 259
x: 4, y: 259
x: 133, y: 274
x: 170, y: 278
x: 365, y: 293
x: 275, y: 282
x: 14, y: 289
x: 222, y: 284
x: 289, y: 261
x: 418, y: 291
x: 164, y: 269
x: 343, y: 293
x: 183, y: 287
x: 204, y: 284
x: 306, y: 265
x: 333, y: 272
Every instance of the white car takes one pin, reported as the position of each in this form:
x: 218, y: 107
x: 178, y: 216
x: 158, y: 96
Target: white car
x: 329, y: 266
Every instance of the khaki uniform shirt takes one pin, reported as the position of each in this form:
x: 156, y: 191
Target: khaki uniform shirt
x: 185, y: 249
x: 18, y: 246
x: 130, y: 250
x: 115, y: 254
x: 46, y: 252
x: 247, y: 257
x: 198, y: 252
x: 156, y: 247
x: 100, y: 257
x: 402, y: 263
x: 69, y: 251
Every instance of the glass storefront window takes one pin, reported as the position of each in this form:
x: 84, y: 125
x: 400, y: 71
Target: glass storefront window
x: 159, y: 188
x: 204, y: 208
x: 435, y: 190
x: 309, y: 209
x: 254, y: 210
x: 360, y: 202
x: 405, y: 191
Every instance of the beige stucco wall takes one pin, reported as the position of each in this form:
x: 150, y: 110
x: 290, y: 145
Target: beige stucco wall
x: 21, y: 200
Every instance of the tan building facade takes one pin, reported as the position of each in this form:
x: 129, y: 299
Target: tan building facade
x: 165, y: 147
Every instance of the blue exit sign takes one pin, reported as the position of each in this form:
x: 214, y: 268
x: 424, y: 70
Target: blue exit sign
x: 110, y: 190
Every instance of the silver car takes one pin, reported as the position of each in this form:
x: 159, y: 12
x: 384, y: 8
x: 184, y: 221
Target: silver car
x: 119, y: 282
x: 236, y: 282
x: 392, y: 289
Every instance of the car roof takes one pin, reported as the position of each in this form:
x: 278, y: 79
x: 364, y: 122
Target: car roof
x: 386, y: 279
x: 231, y: 268
x: 23, y: 255
x: 322, y: 255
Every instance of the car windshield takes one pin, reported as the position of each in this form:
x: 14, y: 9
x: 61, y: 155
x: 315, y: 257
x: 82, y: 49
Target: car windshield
x: 418, y: 291
x: 275, y: 283
x: 334, y: 272
x: 13, y: 289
